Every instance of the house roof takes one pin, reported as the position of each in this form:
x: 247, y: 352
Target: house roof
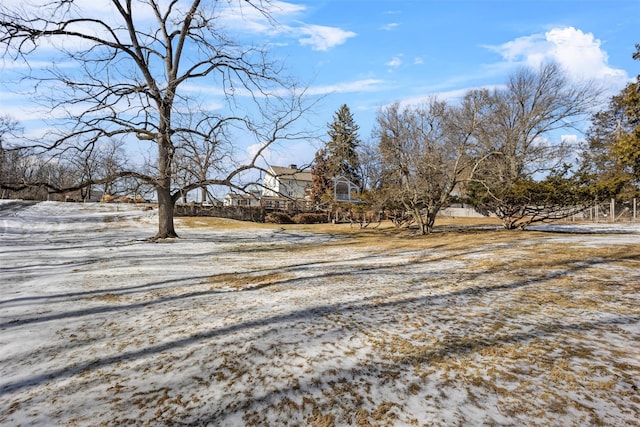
x: 240, y: 196
x: 343, y: 179
x: 290, y: 173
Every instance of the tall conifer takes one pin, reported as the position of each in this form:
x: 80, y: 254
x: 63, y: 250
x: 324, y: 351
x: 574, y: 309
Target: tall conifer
x: 341, y: 149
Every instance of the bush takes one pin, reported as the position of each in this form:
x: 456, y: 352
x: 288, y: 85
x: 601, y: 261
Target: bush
x: 278, y: 218
x: 310, y: 218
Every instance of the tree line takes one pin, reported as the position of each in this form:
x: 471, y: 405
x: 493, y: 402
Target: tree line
x: 498, y: 151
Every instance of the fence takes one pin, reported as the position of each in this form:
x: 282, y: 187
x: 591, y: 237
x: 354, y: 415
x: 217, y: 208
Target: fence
x: 613, y: 211
x: 241, y: 213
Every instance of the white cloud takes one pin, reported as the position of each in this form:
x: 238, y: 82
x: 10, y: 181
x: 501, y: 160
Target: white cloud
x: 243, y: 17
x: 395, y: 62
x: 281, y: 19
x: 389, y: 27
x: 418, y: 60
x: 571, y: 139
x: 284, y: 22
x: 437, y: 93
x: 579, y: 53
x: 300, y: 153
x: 366, y: 85
x: 323, y: 38
x: 9, y: 64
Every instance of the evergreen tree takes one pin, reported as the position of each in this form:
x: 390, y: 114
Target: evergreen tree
x: 613, y: 152
x: 627, y: 145
x: 321, y: 186
x: 341, y: 150
x: 599, y: 159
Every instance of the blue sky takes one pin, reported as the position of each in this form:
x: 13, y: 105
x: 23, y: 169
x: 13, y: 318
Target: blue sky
x: 370, y: 53
x: 375, y: 52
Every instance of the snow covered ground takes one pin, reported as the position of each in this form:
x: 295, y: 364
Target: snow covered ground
x: 282, y: 326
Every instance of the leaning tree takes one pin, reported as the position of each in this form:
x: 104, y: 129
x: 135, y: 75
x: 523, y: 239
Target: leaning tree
x: 144, y: 72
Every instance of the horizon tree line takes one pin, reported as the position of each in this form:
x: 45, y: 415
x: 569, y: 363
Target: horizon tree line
x: 495, y: 150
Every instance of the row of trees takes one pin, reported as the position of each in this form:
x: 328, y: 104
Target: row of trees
x: 29, y: 173
x: 498, y: 151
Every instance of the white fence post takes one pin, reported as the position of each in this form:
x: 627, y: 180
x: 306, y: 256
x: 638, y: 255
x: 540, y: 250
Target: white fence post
x: 612, y: 210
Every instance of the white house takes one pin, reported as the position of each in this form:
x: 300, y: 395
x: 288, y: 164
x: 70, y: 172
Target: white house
x: 289, y: 182
x: 251, y: 198
x: 285, y: 187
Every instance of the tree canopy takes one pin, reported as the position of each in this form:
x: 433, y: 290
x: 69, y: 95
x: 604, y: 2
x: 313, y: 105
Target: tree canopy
x: 612, y: 152
x: 496, y: 150
x: 516, y: 144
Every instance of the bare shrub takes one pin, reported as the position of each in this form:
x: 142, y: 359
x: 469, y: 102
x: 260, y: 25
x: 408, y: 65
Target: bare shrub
x: 310, y: 218
x: 278, y: 218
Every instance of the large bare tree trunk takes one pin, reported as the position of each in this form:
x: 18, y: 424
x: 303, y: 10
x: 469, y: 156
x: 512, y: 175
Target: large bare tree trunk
x: 163, y: 188
x: 165, y: 214
x: 417, y: 216
x: 431, y: 220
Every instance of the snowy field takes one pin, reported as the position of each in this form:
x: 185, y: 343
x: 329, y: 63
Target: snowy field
x: 281, y: 326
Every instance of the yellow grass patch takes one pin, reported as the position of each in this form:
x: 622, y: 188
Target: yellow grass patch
x: 241, y: 280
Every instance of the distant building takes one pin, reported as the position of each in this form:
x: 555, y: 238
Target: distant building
x: 287, y: 182
x: 285, y: 188
x: 344, y: 190
x: 250, y: 198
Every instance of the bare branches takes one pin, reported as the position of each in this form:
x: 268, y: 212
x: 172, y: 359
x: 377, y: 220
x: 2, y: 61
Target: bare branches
x: 516, y: 143
x: 495, y: 150
x: 422, y: 151
x: 143, y: 73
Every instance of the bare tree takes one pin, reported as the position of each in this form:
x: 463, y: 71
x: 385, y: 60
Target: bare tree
x: 102, y: 160
x: 370, y: 167
x: 518, y: 145
x: 424, y: 154
x: 138, y: 64
x: 196, y: 159
x: 8, y: 126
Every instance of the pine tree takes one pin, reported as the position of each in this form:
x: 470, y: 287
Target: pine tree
x: 320, y: 178
x: 612, y: 154
x: 341, y: 149
x: 627, y: 145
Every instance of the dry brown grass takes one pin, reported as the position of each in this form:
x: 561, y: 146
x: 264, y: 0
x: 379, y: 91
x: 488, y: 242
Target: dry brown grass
x: 240, y: 280
x: 109, y: 298
x: 384, y: 228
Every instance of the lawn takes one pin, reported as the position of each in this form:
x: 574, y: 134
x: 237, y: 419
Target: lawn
x: 326, y: 325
